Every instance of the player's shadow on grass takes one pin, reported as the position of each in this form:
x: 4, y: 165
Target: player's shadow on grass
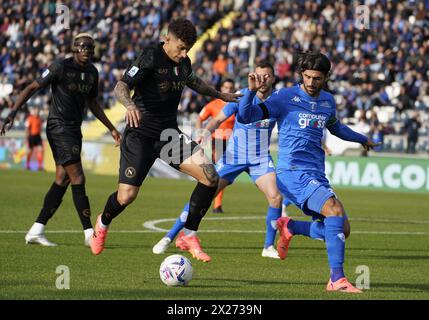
x: 413, y: 287
x: 381, y: 249
x: 259, y: 282
x: 17, y: 283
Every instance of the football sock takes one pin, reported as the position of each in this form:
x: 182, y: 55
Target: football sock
x: 81, y: 204
x: 88, y: 232
x: 317, y: 230
x: 179, y: 224
x: 199, y: 203
x: 272, y: 215
x: 40, y: 159
x: 112, y: 209
x: 37, y: 228
x: 27, y: 164
x: 51, y: 202
x: 189, y: 233
x: 335, y: 245
x: 218, y: 200
x: 337, y: 273
x: 299, y: 227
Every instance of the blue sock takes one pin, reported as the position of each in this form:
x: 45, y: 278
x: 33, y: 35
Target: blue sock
x: 179, y: 224
x: 335, y: 245
x: 317, y: 230
x: 272, y: 215
x: 299, y: 227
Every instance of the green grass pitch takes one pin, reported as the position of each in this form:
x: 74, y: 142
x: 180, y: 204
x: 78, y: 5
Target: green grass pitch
x: 390, y: 235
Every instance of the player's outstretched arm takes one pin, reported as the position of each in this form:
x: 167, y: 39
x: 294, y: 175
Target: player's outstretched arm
x: 247, y: 112
x: 198, y: 85
x: 100, y: 115
x: 133, y: 115
x: 22, y: 98
x: 344, y: 132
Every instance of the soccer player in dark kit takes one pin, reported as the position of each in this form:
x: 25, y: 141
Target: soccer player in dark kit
x: 74, y: 84
x: 158, y: 77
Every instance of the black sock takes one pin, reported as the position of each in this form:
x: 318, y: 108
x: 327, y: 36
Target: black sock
x: 200, y: 202
x: 112, y: 209
x: 81, y: 204
x: 53, y: 199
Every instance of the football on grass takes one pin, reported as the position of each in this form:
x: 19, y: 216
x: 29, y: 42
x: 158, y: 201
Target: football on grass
x: 176, y: 270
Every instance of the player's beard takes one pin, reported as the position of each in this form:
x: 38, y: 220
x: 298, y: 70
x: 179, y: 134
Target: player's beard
x: 312, y: 91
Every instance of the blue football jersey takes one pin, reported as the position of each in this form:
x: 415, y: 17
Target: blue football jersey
x: 301, y: 120
x: 249, y: 143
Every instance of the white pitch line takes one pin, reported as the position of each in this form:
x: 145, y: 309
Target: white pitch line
x: 152, y: 228
x: 400, y: 233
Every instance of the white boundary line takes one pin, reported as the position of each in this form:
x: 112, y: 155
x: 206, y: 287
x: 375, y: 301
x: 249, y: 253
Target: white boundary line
x: 151, y: 227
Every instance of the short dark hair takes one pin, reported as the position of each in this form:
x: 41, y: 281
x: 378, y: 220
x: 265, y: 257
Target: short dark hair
x: 227, y: 80
x: 314, y: 61
x: 184, y: 30
x: 265, y: 64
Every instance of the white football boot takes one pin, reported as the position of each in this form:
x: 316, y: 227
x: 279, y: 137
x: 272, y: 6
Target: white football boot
x: 161, y: 246
x: 38, y: 239
x: 270, y: 252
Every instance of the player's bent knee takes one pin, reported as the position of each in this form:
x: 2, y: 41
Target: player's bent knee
x: 62, y: 180
x: 275, y: 200
x: 210, y: 178
x: 125, y: 199
x: 337, y: 211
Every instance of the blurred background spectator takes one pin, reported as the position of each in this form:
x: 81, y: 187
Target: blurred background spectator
x: 382, y: 70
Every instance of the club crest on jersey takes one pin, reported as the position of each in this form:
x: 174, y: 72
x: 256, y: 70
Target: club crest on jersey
x: 130, y: 172
x: 313, y: 105
x: 176, y: 71
x: 133, y: 71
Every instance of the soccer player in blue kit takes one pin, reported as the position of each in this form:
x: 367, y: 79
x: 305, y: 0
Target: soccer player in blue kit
x: 302, y: 112
x: 247, y: 151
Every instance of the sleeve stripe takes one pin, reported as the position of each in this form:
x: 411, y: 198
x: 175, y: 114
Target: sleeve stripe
x: 264, y: 109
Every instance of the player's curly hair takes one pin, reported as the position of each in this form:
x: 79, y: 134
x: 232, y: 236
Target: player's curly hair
x: 184, y: 30
x: 313, y: 61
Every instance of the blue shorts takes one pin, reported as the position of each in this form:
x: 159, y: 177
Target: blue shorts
x: 307, y: 190
x: 230, y: 172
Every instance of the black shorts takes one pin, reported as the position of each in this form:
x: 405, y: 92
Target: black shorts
x: 66, y: 144
x: 139, y: 152
x: 34, y: 141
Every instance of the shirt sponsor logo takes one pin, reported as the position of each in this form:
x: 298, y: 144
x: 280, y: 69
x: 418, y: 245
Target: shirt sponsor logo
x: 263, y: 123
x: 163, y: 86
x: 311, y: 120
x: 133, y: 71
